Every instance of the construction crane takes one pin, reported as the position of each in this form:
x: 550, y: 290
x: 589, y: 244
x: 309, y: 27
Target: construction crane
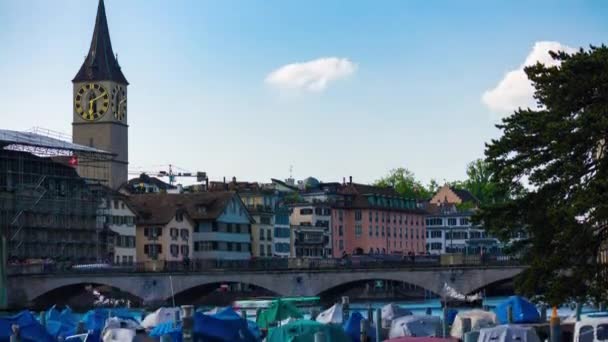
x: 171, y: 174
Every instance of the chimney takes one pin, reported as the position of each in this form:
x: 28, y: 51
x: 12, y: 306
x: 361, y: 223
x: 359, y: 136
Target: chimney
x: 350, y: 179
x: 207, y: 184
x: 234, y: 180
x: 343, y: 180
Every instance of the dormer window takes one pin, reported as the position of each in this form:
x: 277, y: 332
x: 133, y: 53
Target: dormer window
x: 179, y: 216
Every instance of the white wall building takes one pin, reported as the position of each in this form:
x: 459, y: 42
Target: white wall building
x: 120, y: 219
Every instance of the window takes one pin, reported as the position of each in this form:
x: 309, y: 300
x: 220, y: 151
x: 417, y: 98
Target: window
x: 326, y: 211
x: 130, y: 259
x: 239, y: 247
x: 261, y: 234
x: 358, y: 215
x: 434, y: 221
x: 376, y: 216
x: 153, y: 250
x: 451, y: 222
x: 388, y: 231
x: 436, y: 246
x: 306, y: 211
x: 179, y: 216
x: 269, y: 234
x: 586, y: 334
x: 229, y: 246
x: 174, y: 233
x: 434, y: 233
x: 229, y: 228
x: 269, y: 250
x: 358, y: 230
x: 214, y: 226
x: 376, y: 230
x: 464, y: 221
x: 340, y: 231
x: 341, y: 244
x: 115, y: 204
x: 382, y: 230
x: 185, y: 234
x: 265, y: 220
x: 369, y: 214
x: 262, y: 250
x: 318, y: 211
x: 370, y: 230
x: 174, y: 250
x: 340, y: 214
x: 185, y: 249
x: 602, y: 332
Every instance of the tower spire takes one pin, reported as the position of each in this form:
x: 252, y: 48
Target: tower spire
x: 100, y: 63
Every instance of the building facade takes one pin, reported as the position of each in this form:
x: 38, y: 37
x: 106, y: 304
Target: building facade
x: 117, y: 216
x: 282, y: 246
x: 314, y: 214
x: 376, y: 220
x: 100, y: 107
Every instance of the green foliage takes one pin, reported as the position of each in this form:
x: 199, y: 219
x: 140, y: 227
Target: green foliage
x: 404, y: 182
x: 557, y: 154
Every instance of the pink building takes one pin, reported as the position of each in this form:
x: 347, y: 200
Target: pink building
x: 369, y: 219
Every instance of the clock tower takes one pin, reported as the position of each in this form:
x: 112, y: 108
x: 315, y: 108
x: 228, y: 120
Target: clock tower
x: 100, y: 107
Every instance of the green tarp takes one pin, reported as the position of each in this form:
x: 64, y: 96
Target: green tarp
x: 305, y: 330
x: 278, y: 311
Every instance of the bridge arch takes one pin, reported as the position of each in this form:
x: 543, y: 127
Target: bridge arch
x: 215, y: 296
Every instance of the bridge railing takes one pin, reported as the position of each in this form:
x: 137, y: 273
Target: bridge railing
x: 268, y: 265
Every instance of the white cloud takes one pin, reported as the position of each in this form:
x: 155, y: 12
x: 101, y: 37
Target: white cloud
x: 515, y: 90
x: 313, y: 75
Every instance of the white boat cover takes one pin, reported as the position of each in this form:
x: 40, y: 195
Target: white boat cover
x: 479, y: 319
x: 392, y: 311
x: 331, y: 315
x: 159, y: 316
x: 116, y: 323
x: 508, y: 333
x: 415, y: 326
x: 118, y: 335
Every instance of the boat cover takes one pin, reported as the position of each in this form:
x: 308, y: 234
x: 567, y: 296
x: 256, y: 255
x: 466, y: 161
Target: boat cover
x: 390, y: 312
x: 304, y: 331
x: 422, y: 339
x: 168, y: 328
x: 226, y: 325
x: 415, y: 325
x: 159, y: 316
x: 30, y: 329
x: 60, y: 322
x: 118, y: 335
x: 278, y: 311
x: 508, y: 333
x: 523, y: 311
x: 479, y: 319
x: 331, y: 315
x: 352, y: 327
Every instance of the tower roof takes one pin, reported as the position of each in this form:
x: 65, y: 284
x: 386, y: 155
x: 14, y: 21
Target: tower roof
x: 100, y: 63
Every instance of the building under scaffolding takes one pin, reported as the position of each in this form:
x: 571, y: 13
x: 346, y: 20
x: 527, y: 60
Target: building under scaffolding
x: 47, y: 210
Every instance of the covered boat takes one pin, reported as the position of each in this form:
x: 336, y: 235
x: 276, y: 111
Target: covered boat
x: 415, y: 325
x: 331, y: 315
x: 159, y: 316
x: 422, y: 339
x: 168, y: 328
x: 60, y: 322
x: 278, y: 311
x: 224, y: 326
x: 479, y: 319
x: 304, y: 331
x: 352, y: 327
x: 30, y: 329
x: 118, y: 335
x: 392, y: 311
x: 523, y: 311
x: 508, y: 333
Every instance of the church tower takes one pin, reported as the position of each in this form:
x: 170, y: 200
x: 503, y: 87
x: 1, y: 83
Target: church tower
x: 100, y: 106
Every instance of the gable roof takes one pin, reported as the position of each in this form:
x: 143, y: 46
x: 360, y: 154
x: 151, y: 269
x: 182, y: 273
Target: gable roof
x: 101, y: 63
x: 160, y: 208
x: 132, y: 184
x: 464, y: 195
x: 356, y: 196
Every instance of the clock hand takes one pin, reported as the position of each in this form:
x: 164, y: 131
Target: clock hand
x: 98, y: 97
x: 93, y: 100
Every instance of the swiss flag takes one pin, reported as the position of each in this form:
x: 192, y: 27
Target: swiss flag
x: 73, y: 161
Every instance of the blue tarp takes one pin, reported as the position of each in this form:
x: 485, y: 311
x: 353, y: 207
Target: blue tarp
x: 60, y: 323
x: 168, y: 328
x: 95, y: 320
x: 451, y: 316
x: 226, y: 325
x: 523, y: 311
x: 352, y: 327
x: 30, y: 329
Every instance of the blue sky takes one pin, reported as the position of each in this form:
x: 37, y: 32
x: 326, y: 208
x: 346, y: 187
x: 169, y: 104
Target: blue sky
x: 200, y: 97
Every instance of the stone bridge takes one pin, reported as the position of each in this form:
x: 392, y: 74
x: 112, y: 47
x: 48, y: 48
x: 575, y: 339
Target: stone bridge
x: 153, y: 287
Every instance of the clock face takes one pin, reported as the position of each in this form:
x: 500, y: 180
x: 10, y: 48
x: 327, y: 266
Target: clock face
x: 92, y: 101
x: 119, y: 102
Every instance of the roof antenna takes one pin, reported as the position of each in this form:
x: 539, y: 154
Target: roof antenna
x: 290, y: 171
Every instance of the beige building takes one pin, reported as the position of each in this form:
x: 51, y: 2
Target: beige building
x: 163, y: 229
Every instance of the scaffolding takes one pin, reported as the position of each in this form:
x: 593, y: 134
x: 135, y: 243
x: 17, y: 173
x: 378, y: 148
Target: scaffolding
x: 48, y: 209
